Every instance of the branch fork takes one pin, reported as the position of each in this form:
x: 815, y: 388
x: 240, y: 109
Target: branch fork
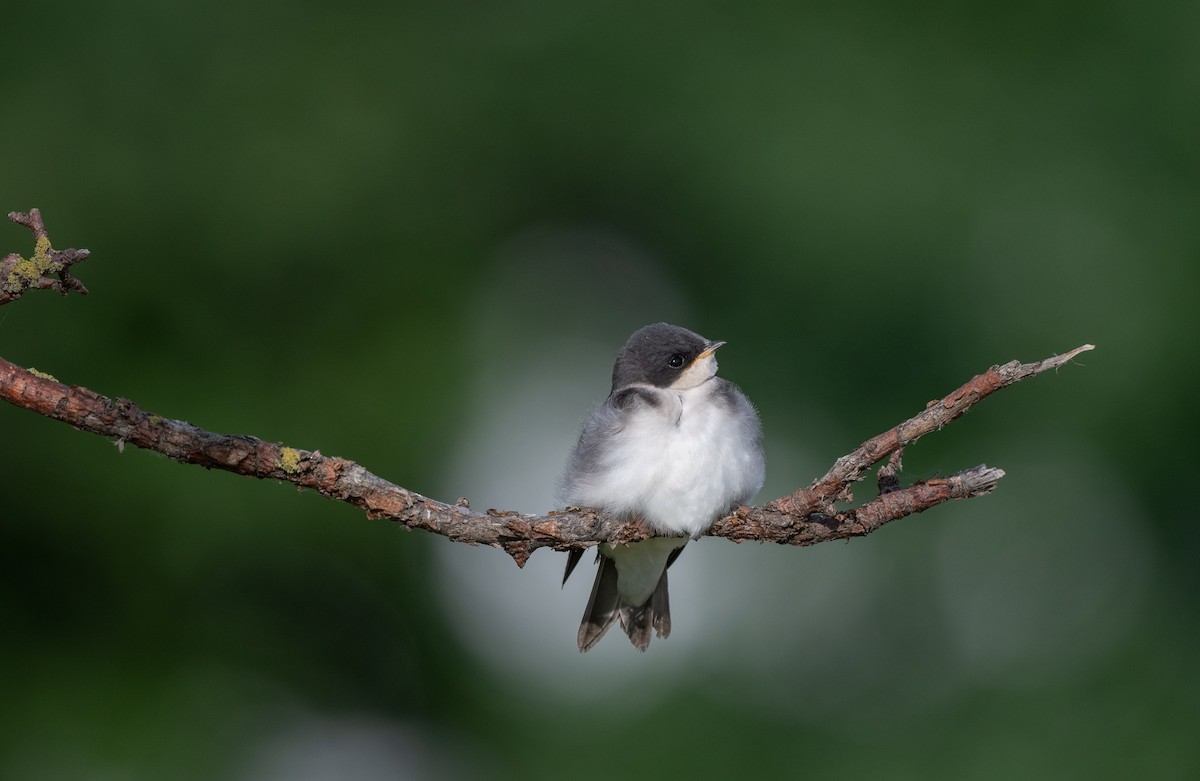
x: 46, y: 269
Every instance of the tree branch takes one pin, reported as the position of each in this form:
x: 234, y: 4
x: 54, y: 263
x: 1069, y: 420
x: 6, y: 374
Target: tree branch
x: 805, y: 517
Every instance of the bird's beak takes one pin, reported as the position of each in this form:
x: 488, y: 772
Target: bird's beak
x: 712, y: 348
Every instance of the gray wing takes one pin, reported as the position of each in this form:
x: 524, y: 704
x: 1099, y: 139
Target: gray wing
x: 604, y: 423
x: 603, y: 608
x: 750, y: 430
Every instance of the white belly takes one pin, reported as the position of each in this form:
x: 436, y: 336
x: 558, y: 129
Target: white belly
x: 680, y: 465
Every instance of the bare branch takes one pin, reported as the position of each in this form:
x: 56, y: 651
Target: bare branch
x: 834, y: 486
x: 805, y: 517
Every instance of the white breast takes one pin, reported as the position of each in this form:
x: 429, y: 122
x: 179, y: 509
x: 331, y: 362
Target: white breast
x: 680, y: 465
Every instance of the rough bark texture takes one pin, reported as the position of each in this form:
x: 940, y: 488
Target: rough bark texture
x: 804, y: 517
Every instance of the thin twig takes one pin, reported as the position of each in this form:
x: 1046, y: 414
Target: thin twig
x: 834, y: 486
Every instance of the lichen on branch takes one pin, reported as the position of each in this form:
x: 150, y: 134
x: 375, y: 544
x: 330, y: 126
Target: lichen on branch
x: 46, y: 269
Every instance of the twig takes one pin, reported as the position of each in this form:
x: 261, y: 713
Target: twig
x: 46, y: 269
x: 805, y: 517
x: 835, y: 485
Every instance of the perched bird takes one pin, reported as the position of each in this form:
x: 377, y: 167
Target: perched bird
x: 672, y: 444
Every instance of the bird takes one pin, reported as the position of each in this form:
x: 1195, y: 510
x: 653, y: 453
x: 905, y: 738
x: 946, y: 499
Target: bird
x: 673, y: 445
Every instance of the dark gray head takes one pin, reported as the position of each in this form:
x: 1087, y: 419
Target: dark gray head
x: 661, y: 355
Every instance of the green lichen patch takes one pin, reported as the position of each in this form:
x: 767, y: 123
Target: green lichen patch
x: 289, y: 460
x: 42, y: 374
x: 41, y: 257
x: 26, y: 271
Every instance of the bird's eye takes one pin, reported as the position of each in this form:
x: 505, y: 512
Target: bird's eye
x: 676, y: 361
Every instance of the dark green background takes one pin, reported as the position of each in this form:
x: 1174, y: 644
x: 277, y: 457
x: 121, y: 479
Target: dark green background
x: 348, y: 226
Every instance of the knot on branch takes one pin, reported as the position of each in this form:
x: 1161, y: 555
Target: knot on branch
x: 46, y: 269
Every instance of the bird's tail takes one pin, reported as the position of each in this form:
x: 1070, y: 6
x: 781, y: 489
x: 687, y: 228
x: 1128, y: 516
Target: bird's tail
x: 606, y: 606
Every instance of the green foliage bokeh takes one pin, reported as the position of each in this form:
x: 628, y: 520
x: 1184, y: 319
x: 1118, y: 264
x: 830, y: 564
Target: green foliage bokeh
x: 295, y: 212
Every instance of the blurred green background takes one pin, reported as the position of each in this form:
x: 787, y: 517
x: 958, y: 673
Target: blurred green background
x: 414, y: 235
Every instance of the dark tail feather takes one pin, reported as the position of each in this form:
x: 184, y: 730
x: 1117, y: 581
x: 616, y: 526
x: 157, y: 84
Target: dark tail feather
x: 660, y: 605
x: 660, y: 600
x: 602, y: 607
x: 636, y: 623
x: 655, y: 614
x: 605, y: 606
x: 573, y: 557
